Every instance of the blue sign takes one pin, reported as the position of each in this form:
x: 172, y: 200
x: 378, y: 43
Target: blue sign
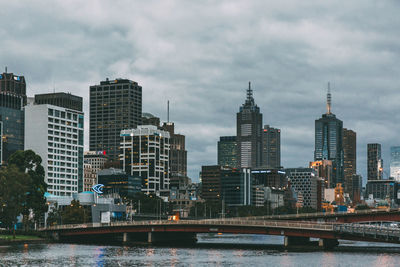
x: 98, y: 188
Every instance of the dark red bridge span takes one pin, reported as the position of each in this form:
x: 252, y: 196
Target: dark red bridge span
x: 295, y: 233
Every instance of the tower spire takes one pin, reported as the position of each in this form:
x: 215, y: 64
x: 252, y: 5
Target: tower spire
x: 249, y: 93
x: 328, y: 100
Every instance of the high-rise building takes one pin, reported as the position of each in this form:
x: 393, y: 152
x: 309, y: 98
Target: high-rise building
x: 14, y: 85
x: 117, y: 181
x: 395, y: 162
x: 145, y: 153
x: 329, y: 142
x: 177, y: 152
x: 236, y: 187
x: 248, y: 132
x: 150, y: 119
x: 375, y: 162
x: 355, y: 194
x: 56, y: 135
x: 211, y: 182
x: 274, y: 178
x: 12, y: 99
x: 349, y: 158
x: 227, y: 151
x: 271, y: 147
x: 64, y: 100
x: 115, y: 105
x: 11, y: 125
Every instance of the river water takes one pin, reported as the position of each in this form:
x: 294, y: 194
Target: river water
x: 211, y: 250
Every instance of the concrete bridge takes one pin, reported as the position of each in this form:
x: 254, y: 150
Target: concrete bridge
x: 173, y: 232
x: 370, y: 215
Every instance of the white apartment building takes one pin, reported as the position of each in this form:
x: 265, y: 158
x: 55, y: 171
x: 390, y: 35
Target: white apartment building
x: 56, y: 134
x: 145, y: 154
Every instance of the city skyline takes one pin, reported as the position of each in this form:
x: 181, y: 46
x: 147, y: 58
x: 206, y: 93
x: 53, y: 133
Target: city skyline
x: 289, y: 58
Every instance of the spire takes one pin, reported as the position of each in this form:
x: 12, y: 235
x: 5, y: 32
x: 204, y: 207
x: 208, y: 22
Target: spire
x: 328, y: 100
x: 249, y: 93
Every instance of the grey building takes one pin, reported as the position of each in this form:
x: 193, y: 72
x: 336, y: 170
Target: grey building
x: 14, y: 85
x: 177, y: 152
x: 395, y: 162
x: 64, y: 100
x: 374, y: 162
x: 271, y: 147
x: 248, y: 132
x: 329, y: 142
x: 227, y: 151
x: 304, y: 181
x: 115, y: 105
x: 118, y: 181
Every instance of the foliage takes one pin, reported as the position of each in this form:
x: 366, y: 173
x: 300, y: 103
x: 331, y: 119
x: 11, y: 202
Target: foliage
x: 14, y: 185
x: 29, y: 162
x: 74, y: 213
x: 149, y: 204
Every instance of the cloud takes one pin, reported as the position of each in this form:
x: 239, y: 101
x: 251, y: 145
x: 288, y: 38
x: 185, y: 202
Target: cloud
x: 201, y: 55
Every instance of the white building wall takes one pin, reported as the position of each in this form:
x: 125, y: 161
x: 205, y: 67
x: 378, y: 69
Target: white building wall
x: 56, y: 141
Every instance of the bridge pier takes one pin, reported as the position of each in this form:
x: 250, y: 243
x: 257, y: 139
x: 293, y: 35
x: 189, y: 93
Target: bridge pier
x: 296, y: 241
x: 328, y: 243
x: 125, y: 237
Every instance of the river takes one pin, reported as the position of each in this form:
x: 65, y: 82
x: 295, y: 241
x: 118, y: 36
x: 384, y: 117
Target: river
x: 211, y: 250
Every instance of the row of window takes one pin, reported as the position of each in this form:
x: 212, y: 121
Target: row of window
x: 63, y: 114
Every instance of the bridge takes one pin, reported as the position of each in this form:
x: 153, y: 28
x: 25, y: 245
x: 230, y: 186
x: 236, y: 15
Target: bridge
x: 370, y: 215
x: 294, y: 232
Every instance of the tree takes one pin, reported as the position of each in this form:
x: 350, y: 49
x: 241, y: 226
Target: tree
x: 13, y: 194
x: 29, y: 162
x: 74, y: 213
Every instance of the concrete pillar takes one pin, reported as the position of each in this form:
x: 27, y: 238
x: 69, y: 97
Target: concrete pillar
x: 296, y: 241
x: 150, y: 237
x: 125, y: 237
x: 328, y: 243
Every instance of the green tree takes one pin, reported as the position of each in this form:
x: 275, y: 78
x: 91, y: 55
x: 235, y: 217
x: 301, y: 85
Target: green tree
x: 13, y: 194
x: 29, y: 162
x: 74, y: 213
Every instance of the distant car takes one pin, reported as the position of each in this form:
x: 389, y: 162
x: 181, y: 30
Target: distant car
x: 394, y: 225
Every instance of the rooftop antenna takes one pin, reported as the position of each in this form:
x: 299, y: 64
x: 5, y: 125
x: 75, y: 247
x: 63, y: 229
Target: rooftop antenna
x: 329, y: 100
x: 249, y: 92
x: 6, y: 69
x: 168, y: 111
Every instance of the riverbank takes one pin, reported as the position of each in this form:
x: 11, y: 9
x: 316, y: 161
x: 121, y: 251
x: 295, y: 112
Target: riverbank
x: 7, y: 239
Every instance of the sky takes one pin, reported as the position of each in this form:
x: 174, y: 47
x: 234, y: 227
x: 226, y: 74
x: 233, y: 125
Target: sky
x: 200, y: 55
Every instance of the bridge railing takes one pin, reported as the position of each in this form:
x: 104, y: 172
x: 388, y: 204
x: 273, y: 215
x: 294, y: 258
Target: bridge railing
x: 370, y: 230
x: 211, y: 223
x: 316, y: 214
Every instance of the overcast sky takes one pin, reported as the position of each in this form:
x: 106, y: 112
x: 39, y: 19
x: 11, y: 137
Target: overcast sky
x: 201, y: 54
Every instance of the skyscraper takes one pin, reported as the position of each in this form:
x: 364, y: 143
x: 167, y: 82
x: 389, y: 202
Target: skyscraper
x: 350, y: 158
x: 65, y: 100
x: 375, y: 162
x: 56, y: 135
x: 329, y: 142
x: 145, y: 153
x: 177, y: 152
x: 271, y: 147
x: 395, y: 162
x: 227, y: 151
x: 115, y: 105
x: 248, y: 132
x: 12, y: 100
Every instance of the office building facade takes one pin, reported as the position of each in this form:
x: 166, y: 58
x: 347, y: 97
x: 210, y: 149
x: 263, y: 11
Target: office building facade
x: 324, y: 170
x: 97, y: 159
x: 13, y: 85
x: 117, y: 181
x: 236, y: 187
x: 274, y: 178
x: 56, y: 135
x: 211, y: 182
x: 349, y: 158
x: 145, y: 153
x: 395, y: 162
x: 248, y: 132
x: 89, y: 177
x: 177, y: 152
x: 115, y: 105
x: 374, y: 162
x: 329, y: 143
x: 64, y: 100
x: 271, y: 147
x: 227, y: 151
x: 305, y: 182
